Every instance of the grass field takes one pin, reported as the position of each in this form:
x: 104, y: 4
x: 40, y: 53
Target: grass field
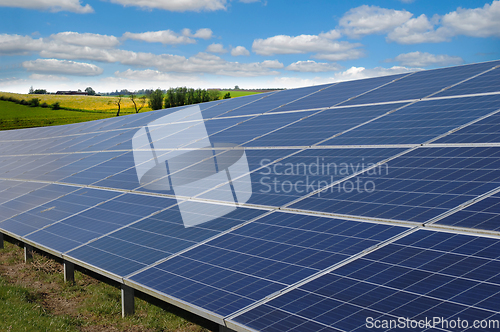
x: 235, y: 94
x: 88, y: 103
x: 15, y: 116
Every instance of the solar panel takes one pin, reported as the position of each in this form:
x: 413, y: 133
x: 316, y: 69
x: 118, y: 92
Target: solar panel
x: 329, y: 96
x: 323, y: 208
x: 416, y: 186
x: 263, y: 257
x: 423, y: 275
x: 419, y: 122
x: 422, y: 84
x: 320, y: 126
x: 487, y: 82
x: 484, y: 214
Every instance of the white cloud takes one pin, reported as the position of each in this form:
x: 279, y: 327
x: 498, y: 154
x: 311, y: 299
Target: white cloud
x: 478, y: 22
x: 424, y: 59
x: 311, y: 66
x: 42, y: 77
x: 239, y: 50
x: 73, y: 6
x: 200, y: 33
x: 418, y: 30
x: 324, y: 47
x: 19, y: 45
x: 356, y: 73
x: 164, y: 37
x: 86, y: 39
x: 150, y: 75
x: 407, y: 1
x: 216, y: 48
x: 176, y: 5
x: 332, y: 34
x: 367, y: 20
x: 54, y: 66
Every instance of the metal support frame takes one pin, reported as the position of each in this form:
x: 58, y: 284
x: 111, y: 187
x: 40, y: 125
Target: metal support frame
x: 127, y: 300
x: 1, y: 240
x: 69, y: 271
x: 223, y: 328
x: 28, y: 252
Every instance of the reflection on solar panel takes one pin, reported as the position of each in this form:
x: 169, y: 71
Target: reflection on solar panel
x: 339, y: 207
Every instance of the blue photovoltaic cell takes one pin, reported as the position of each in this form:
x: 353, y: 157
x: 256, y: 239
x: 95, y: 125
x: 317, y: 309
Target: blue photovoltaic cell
x: 255, y: 159
x: 130, y: 249
x: 23, y: 201
x: 275, y: 101
x: 108, y: 165
x: 232, y: 104
x: 332, y: 95
x: 295, y: 176
x: 420, y: 122
x: 97, y: 221
x: 249, y: 129
x: 321, y: 126
x: 423, y: 275
x: 487, y: 82
x: 55, y: 210
x: 255, y: 260
x: 64, y: 168
x: 417, y: 186
x: 484, y: 214
x: 484, y: 131
x: 422, y: 84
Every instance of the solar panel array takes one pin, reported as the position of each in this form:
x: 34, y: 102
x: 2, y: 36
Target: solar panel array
x: 325, y: 208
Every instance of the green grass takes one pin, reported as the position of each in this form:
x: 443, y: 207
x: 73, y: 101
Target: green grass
x: 21, y: 310
x: 34, y: 294
x: 15, y: 116
x: 235, y: 94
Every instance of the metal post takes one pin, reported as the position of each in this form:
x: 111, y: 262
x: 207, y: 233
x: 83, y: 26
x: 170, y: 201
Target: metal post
x: 69, y: 272
x: 28, y: 253
x: 1, y: 240
x: 223, y: 328
x: 127, y: 300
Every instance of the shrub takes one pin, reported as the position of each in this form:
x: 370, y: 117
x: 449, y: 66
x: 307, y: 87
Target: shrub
x: 56, y: 106
x: 34, y: 102
x: 23, y: 102
x: 44, y: 105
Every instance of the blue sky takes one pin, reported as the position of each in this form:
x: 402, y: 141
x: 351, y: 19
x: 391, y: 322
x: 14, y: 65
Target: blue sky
x: 134, y: 44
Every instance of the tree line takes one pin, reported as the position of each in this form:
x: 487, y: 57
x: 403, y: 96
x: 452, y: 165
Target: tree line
x: 181, y: 96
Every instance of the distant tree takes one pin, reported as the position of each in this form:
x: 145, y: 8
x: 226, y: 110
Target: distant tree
x: 236, y: 87
x: 56, y: 106
x: 156, y: 99
x: 142, y: 102
x: 118, y: 102
x: 90, y: 91
x: 227, y: 95
x: 40, y: 92
x: 31, y: 90
x: 213, y: 94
